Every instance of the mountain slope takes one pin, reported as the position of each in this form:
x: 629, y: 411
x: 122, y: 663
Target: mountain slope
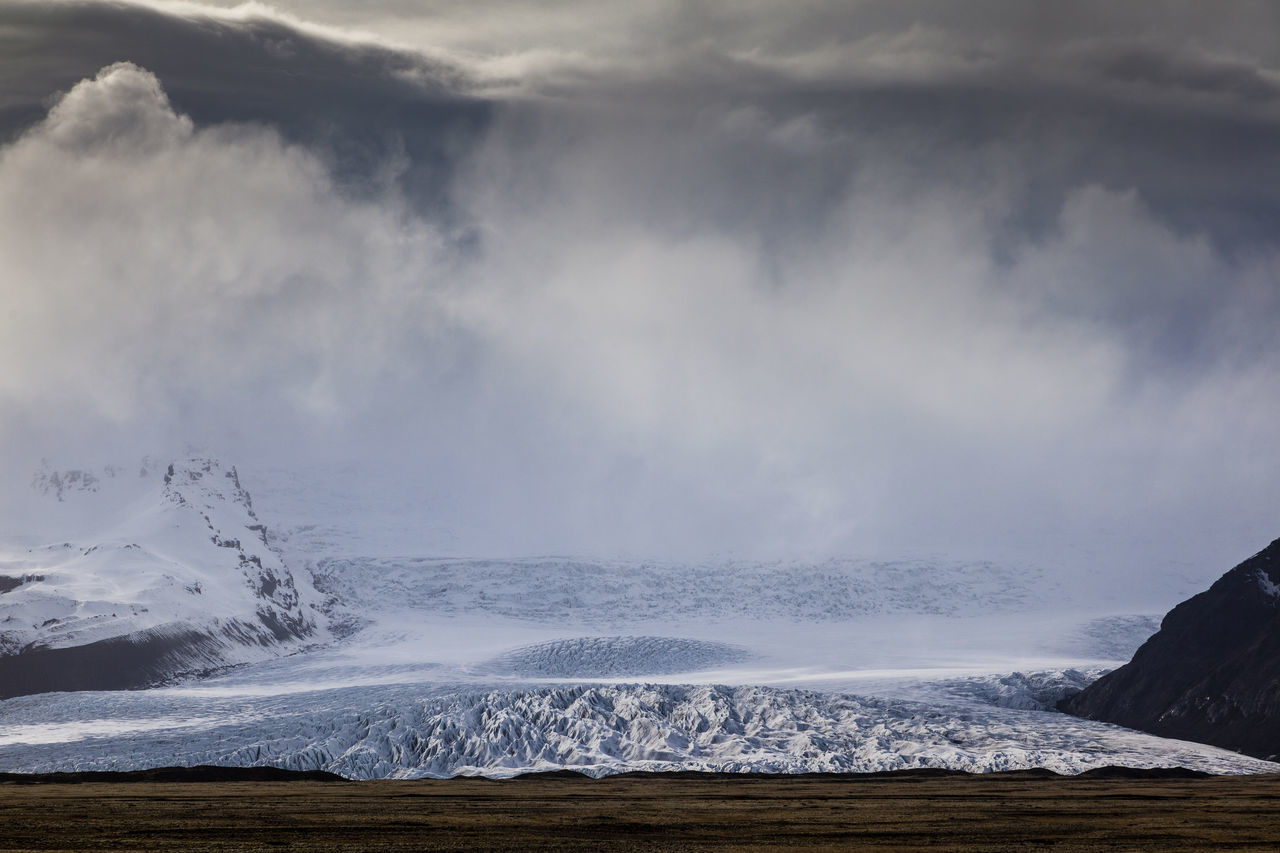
x: 1212, y: 672
x: 159, y: 573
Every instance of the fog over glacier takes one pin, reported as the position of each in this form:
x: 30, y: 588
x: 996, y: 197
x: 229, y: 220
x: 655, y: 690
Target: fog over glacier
x: 663, y: 279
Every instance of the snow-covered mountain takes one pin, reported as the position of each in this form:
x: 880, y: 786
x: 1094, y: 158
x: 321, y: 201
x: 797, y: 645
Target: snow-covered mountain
x: 128, y: 576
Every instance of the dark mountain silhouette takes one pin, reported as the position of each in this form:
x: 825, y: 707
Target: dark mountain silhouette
x: 1211, y: 673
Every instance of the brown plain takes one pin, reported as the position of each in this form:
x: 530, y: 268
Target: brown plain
x: 650, y: 812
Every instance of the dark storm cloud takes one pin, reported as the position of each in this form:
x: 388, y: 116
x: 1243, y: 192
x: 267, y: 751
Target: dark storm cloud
x: 373, y: 111
x: 1128, y: 101
x: 1175, y: 100
x: 1147, y: 65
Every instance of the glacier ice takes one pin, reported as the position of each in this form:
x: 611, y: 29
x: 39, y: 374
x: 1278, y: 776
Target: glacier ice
x: 412, y: 666
x: 445, y: 730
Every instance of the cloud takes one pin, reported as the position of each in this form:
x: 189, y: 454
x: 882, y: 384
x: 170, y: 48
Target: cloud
x: 123, y: 110
x: 870, y: 281
x: 726, y: 46
x: 151, y: 265
x: 356, y: 102
x: 888, y: 381
x: 401, y: 93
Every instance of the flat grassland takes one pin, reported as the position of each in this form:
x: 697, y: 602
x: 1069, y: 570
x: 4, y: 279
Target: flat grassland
x: 650, y: 812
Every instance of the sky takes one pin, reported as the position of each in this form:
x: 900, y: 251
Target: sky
x: 665, y: 278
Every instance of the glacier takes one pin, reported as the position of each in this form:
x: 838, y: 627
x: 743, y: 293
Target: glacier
x: 409, y: 666
x: 443, y: 729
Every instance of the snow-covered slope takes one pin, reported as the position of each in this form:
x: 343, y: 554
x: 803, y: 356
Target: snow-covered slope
x: 163, y: 568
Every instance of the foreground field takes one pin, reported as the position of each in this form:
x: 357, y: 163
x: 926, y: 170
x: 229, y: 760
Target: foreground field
x: 648, y: 812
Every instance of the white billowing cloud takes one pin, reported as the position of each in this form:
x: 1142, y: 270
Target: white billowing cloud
x: 124, y: 110
x: 149, y: 264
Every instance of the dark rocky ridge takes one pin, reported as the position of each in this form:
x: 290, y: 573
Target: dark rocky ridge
x: 133, y: 661
x: 1211, y: 673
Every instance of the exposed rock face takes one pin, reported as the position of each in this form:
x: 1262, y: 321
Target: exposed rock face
x: 118, y: 663
x: 1211, y: 673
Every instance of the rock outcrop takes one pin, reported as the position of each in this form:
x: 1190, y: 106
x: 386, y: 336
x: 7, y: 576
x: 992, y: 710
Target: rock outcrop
x: 1211, y: 673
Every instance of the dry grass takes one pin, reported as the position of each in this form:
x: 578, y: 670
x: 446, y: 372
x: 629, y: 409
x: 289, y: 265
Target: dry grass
x: 645, y: 812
